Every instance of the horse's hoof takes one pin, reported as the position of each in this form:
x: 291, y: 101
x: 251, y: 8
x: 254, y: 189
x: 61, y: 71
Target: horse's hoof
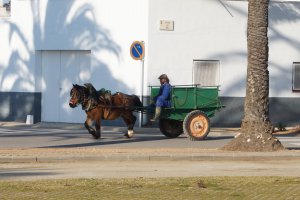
x: 96, y: 136
x: 129, y: 134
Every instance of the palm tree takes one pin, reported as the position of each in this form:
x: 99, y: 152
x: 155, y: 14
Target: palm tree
x: 256, y: 130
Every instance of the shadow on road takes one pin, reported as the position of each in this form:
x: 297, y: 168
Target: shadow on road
x: 102, y: 142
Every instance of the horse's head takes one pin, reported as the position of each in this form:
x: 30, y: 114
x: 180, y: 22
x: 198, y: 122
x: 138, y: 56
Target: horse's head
x: 76, y: 95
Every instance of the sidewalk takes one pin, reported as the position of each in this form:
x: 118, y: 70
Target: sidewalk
x: 69, y: 155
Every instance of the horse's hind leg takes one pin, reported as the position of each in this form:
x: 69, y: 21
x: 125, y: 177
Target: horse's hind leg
x: 129, y: 119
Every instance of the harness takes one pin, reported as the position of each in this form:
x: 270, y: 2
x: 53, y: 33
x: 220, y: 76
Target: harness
x: 86, y: 101
x: 95, y: 98
x: 102, y: 98
x: 90, y: 105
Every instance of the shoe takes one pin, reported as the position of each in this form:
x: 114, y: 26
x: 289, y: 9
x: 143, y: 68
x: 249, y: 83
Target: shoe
x: 157, y: 114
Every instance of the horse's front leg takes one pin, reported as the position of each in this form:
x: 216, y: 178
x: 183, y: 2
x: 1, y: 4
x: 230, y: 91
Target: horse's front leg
x: 88, y: 125
x: 98, y: 128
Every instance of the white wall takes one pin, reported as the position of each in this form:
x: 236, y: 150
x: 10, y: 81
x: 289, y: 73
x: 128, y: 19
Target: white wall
x: 106, y: 27
x: 284, y: 45
x: 210, y: 30
x: 204, y: 29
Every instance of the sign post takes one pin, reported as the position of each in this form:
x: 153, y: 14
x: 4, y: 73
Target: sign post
x: 137, y: 52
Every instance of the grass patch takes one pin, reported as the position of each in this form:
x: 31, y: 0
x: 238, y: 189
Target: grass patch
x: 154, y: 188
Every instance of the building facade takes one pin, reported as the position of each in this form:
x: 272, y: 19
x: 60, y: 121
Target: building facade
x: 46, y: 45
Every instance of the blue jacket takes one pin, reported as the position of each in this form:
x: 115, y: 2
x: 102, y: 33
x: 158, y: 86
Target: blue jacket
x: 163, y: 99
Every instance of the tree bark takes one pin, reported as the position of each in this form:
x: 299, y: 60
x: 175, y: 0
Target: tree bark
x: 256, y: 129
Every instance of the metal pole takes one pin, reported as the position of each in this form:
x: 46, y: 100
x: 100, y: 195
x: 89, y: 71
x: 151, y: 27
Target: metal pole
x: 142, y: 94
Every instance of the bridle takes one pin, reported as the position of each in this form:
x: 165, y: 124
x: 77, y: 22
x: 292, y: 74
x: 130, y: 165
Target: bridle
x: 80, y: 94
x: 76, y: 94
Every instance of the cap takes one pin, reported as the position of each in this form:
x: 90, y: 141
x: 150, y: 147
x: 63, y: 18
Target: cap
x: 163, y: 76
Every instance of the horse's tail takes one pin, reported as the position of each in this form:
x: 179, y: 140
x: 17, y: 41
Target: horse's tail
x: 128, y: 102
x: 137, y: 101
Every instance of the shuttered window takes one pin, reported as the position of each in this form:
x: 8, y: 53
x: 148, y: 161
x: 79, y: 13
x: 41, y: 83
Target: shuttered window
x: 206, y: 72
x: 296, y: 76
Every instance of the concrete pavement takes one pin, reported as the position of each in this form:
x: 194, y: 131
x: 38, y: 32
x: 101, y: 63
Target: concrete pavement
x: 155, y: 169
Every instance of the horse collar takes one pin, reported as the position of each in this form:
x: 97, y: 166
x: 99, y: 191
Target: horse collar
x: 90, y: 106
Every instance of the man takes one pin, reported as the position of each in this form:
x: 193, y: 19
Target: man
x: 163, y: 99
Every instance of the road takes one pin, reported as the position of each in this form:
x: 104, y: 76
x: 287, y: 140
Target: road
x: 68, y: 151
x: 70, y: 136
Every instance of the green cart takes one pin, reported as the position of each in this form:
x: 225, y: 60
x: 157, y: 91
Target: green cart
x: 192, y: 106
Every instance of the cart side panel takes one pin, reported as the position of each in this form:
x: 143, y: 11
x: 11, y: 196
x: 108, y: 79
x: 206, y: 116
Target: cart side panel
x: 208, y: 97
x: 183, y: 97
x: 195, y: 97
x: 189, y: 98
x: 154, y: 90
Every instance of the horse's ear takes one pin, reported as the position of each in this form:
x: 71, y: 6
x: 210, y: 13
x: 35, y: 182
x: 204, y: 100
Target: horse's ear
x: 88, y: 85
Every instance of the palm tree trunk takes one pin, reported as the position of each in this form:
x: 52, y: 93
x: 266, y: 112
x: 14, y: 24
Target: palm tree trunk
x: 256, y: 130
x: 256, y: 108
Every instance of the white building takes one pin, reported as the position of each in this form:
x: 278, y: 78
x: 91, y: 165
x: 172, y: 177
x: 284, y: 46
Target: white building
x: 46, y: 45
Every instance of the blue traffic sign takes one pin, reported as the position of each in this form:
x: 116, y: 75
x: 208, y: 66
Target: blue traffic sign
x: 137, y: 50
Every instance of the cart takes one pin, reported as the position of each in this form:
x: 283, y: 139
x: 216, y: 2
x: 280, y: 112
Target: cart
x: 192, y: 106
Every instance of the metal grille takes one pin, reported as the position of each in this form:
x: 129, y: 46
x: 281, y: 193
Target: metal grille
x: 206, y: 72
x: 296, y: 76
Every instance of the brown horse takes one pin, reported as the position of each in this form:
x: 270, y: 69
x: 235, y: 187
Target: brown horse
x: 100, y: 106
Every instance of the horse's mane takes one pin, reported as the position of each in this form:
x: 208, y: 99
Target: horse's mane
x: 90, y: 88
x: 87, y: 89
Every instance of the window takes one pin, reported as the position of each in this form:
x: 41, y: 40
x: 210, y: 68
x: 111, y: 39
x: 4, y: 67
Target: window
x: 206, y: 72
x: 296, y: 76
x: 4, y: 8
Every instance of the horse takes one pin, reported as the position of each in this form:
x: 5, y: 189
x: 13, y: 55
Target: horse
x: 103, y: 106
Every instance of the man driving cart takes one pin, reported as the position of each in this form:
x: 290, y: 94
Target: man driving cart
x: 163, y: 99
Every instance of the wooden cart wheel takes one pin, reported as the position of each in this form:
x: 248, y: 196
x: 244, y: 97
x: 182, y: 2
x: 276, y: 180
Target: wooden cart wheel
x: 196, y: 125
x: 170, y: 128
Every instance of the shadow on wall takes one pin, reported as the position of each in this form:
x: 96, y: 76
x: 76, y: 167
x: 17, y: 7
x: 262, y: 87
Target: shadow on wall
x: 81, y: 32
x: 288, y: 13
x: 281, y: 109
x: 231, y: 115
x: 284, y: 12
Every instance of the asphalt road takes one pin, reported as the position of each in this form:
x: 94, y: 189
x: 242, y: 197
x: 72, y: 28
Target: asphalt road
x: 74, y: 135
x: 47, y: 151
